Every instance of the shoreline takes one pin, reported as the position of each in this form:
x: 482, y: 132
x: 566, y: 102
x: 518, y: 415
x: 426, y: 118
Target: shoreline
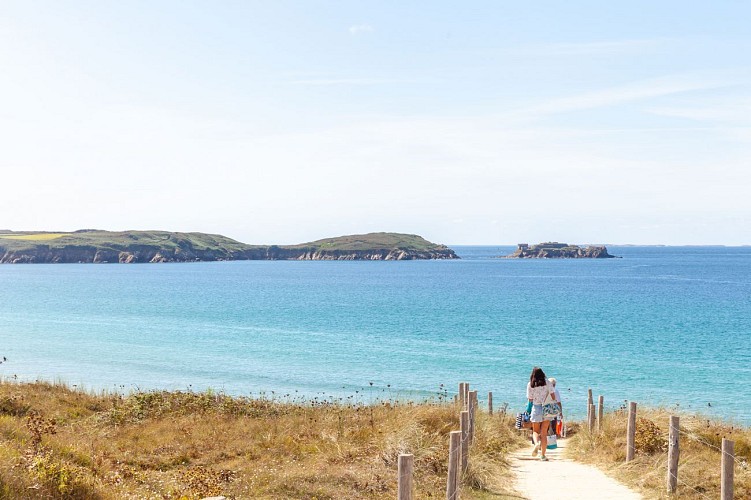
x: 368, y: 395
x: 355, y: 396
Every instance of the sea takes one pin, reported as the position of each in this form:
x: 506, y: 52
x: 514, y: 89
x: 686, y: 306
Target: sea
x: 662, y: 326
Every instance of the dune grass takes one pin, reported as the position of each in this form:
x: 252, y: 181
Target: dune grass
x: 699, y: 465
x: 62, y: 443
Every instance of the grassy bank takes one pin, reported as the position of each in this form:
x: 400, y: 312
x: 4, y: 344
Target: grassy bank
x: 699, y: 465
x: 56, y: 442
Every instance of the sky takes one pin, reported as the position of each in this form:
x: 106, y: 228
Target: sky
x: 464, y: 122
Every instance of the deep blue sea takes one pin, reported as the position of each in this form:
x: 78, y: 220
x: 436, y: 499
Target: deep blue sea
x: 660, y: 326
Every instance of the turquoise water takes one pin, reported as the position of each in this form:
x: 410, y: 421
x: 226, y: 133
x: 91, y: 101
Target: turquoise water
x: 662, y: 325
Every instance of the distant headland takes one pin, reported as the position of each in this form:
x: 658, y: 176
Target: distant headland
x: 96, y: 246
x: 555, y: 250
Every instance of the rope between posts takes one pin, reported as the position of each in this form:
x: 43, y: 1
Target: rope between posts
x: 742, y: 463
x: 686, y: 484
x: 741, y: 460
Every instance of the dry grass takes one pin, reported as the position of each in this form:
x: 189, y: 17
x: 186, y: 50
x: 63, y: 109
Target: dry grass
x: 61, y: 443
x: 33, y: 237
x: 699, y: 465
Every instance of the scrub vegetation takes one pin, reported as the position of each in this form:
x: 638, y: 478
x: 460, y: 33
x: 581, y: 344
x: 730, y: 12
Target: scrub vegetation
x: 58, y: 442
x: 699, y: 465
x: 371, y: 241
x: 122, y: 239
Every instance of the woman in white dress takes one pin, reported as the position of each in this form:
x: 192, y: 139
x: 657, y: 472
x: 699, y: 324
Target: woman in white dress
x: 538, y: 390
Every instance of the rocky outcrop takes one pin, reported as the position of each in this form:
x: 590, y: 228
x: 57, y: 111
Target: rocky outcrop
x: 555, y: 250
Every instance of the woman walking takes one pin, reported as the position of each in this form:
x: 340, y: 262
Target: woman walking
x: 540, y: 391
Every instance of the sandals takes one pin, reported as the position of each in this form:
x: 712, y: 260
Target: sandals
x: 535, y: 450
x: 543, y: 458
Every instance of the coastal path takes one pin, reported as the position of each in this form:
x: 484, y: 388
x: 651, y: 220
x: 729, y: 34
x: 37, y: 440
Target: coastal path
x: 564, y: 479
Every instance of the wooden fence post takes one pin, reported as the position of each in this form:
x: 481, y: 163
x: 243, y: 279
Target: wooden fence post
x: 600, y: 411
x: 406, y: 464
x: 464, y: 427
x: 472, y: 414
x: 466, y: 393
x: 591, y: 418
x: 673, y: 454
x: 455, y: 451
x: 490, y: 403
x: 589, y: 402
x: 728, y: 462
x: 461, y: 393
x: 631, y: 432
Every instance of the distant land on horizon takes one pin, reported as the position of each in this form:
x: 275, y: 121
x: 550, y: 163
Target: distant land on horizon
x: 654, y: 245
x: 99, y: 246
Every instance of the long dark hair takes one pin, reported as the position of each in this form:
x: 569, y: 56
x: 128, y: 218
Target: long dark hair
x: 537, y: 378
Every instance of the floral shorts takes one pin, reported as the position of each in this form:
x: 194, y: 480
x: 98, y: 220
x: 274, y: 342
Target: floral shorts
x: 537, y: 414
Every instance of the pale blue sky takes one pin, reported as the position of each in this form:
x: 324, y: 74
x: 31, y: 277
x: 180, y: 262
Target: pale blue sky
x: 472, y: 122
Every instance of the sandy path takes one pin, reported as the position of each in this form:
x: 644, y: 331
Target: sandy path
x: 562, y: 479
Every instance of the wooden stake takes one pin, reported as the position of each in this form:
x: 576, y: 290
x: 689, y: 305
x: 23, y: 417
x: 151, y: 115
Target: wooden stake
x: 631, y: 432
x: 464, y: 428
x: 490, y: 403
x: 728, y: 463
x: 455, y: 451
x: 461, y: 393
x: 673, y: 454
x: 591, y: 418
x: 589, y: 401
x: 600, y: 411
x: 406, y: 464
x: 472, y: 414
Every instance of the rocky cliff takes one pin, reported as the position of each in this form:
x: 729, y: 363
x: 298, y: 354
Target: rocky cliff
x: 555, y: 250
x: 312, y: 253
x: 42, y: 254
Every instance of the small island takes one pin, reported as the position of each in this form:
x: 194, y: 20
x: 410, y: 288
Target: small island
x: 97, y: 246
x: 555, y: 250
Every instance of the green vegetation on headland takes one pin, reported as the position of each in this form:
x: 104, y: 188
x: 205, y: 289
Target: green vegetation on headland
x: 68, y: 444
x: 555, y: 250
x: 163, y: 246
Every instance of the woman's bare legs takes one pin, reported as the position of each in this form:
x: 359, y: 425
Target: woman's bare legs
x: 536, y: 436
x: 543, y: 433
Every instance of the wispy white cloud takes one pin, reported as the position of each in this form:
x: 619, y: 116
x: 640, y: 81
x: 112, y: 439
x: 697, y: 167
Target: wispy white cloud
x: 356, y: 29
x: 637, y: 91
x: 735, y: 111
x: 345, y: 81
x: 604, y: 47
